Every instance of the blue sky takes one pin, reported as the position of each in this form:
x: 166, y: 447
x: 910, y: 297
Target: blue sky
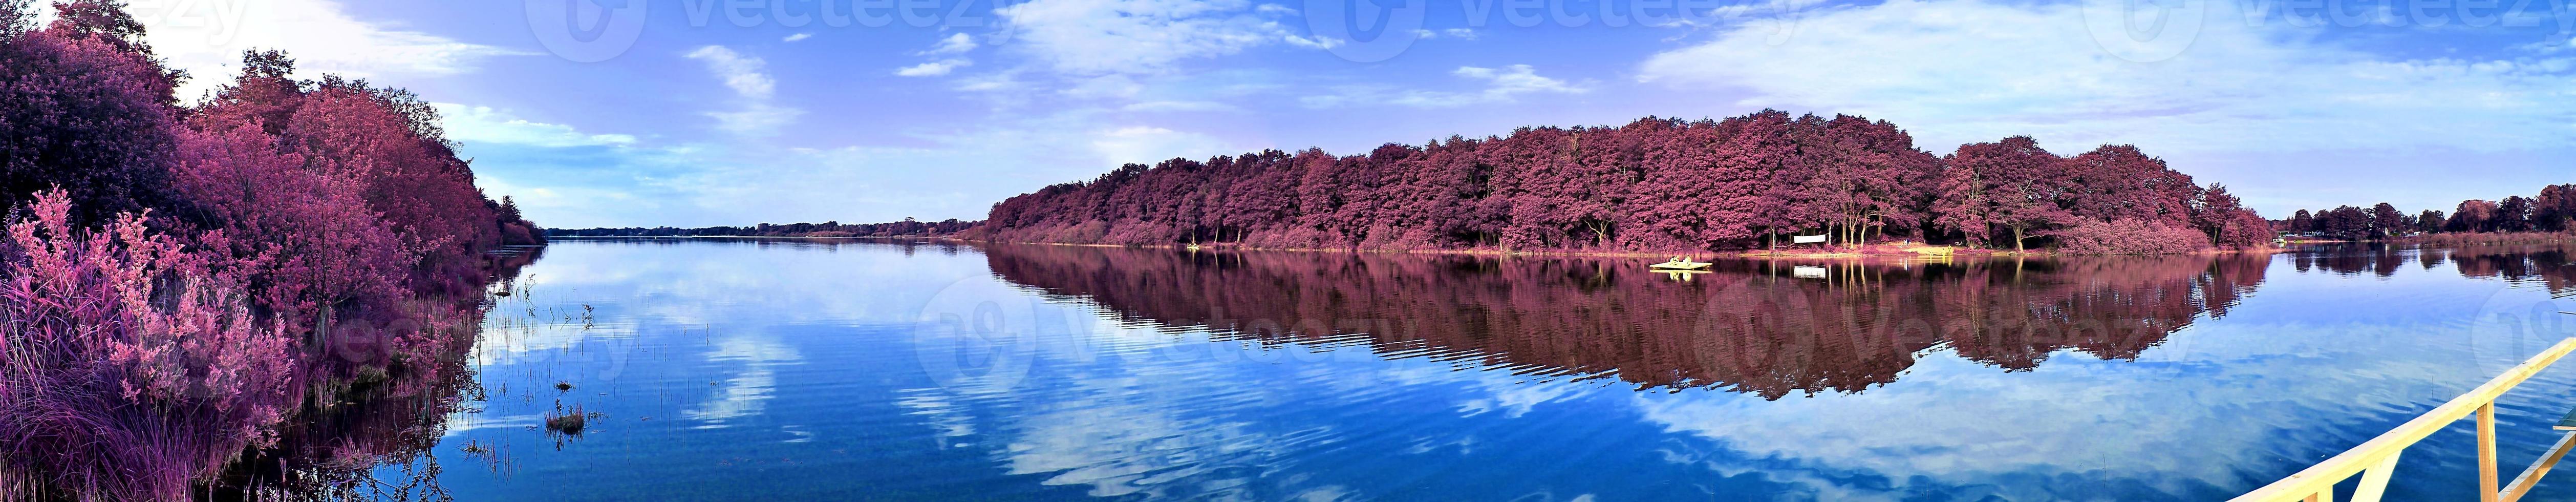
x: 688, y: 113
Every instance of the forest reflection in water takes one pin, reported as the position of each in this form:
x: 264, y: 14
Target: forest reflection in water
x: 1768, y: 327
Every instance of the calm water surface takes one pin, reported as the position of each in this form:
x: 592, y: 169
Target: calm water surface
x: 791, y: 370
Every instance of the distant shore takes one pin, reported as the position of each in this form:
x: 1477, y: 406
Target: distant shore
x: 1870, y: 251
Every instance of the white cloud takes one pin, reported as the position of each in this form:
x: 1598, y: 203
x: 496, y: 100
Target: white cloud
x: 1180, y: 106
x: 797, y: 37
x: 1976, y: 70
x: 1105, y: 86
x: 480, y: 124
x: 1007, y: 80
x: 1147, y: 145
x: 207, y: 40
x: 1502, y: 85
x: 748, y: 391
x: 756, y: 119
x: 933, y: 68
x: 1310, y: 43
x: 955, y: 44
x: 699, y: 183
x: 1516, y: 79
x: 1091, y: 37
x: 748, y: 77
x: 742, y: 73
x: 1457, y: 33
x: 958, y: 43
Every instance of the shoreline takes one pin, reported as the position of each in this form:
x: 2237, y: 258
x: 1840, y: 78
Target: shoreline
x: 1953, y: 251
x: 1915, y: 251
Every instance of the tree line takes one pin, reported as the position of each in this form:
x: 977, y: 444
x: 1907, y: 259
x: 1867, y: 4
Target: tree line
x: 177, y: 281
x: 2554, y: 210
x: 906, y: 228
x: 1655, y: 184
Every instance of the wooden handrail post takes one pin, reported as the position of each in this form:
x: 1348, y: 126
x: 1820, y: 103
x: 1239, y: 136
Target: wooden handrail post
x: 2530, y: 477
x: 2379, y: 453
x: 2374, y: 482
x: 2486, y: 452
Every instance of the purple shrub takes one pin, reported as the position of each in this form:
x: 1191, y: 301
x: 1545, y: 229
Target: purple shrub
x: 305, y: 237
x: 2130, y: 236
x: 131, y: 370
x: 81, y: 115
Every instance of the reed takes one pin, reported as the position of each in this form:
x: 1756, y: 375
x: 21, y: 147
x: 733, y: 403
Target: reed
x: 2478, y: 238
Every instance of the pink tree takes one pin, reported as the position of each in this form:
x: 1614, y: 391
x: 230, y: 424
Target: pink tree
x: 2012, y: 184
x: 314, y: 247
x: 82, y: 115
x: 2118, y: 181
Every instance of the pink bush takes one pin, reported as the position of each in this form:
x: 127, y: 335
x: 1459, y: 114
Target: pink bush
x: 2129, y: 236
x: 318, y: 218
x: 79, y: 115
x: 132, y: 369
x: 374, y: 137
x: 312, y: 247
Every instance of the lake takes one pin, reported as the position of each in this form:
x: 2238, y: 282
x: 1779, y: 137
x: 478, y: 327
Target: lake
x: 783, y: 369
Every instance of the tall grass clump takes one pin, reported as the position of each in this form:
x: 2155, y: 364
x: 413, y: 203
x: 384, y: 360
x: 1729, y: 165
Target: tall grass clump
x: 130, y: 369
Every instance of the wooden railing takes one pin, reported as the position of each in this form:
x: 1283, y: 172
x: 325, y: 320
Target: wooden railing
x: 2376, y: 458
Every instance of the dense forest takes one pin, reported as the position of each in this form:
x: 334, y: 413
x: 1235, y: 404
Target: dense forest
x: 1656, y: 184
x: 2553, y: 211
x: 906, y: 228
x: 178, y: 281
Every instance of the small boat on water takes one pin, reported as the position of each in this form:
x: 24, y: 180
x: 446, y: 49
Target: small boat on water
x: 1679, y: 263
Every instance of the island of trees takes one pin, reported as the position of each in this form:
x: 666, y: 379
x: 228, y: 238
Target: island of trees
x: 180, y: 281
x: 2552, y: 212
x: 906, y: 228
x: 1653, y: 185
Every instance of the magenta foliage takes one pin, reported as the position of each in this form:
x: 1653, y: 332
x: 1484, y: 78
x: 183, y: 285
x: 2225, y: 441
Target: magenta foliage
x: 83, y: 116
x: 375, y: 137
x: 2554, y: 210
x: 303, y: 234
x: 2130, y: 236
x: 1655, y: 184
x: 132, y: 368
x: 311, y: 244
